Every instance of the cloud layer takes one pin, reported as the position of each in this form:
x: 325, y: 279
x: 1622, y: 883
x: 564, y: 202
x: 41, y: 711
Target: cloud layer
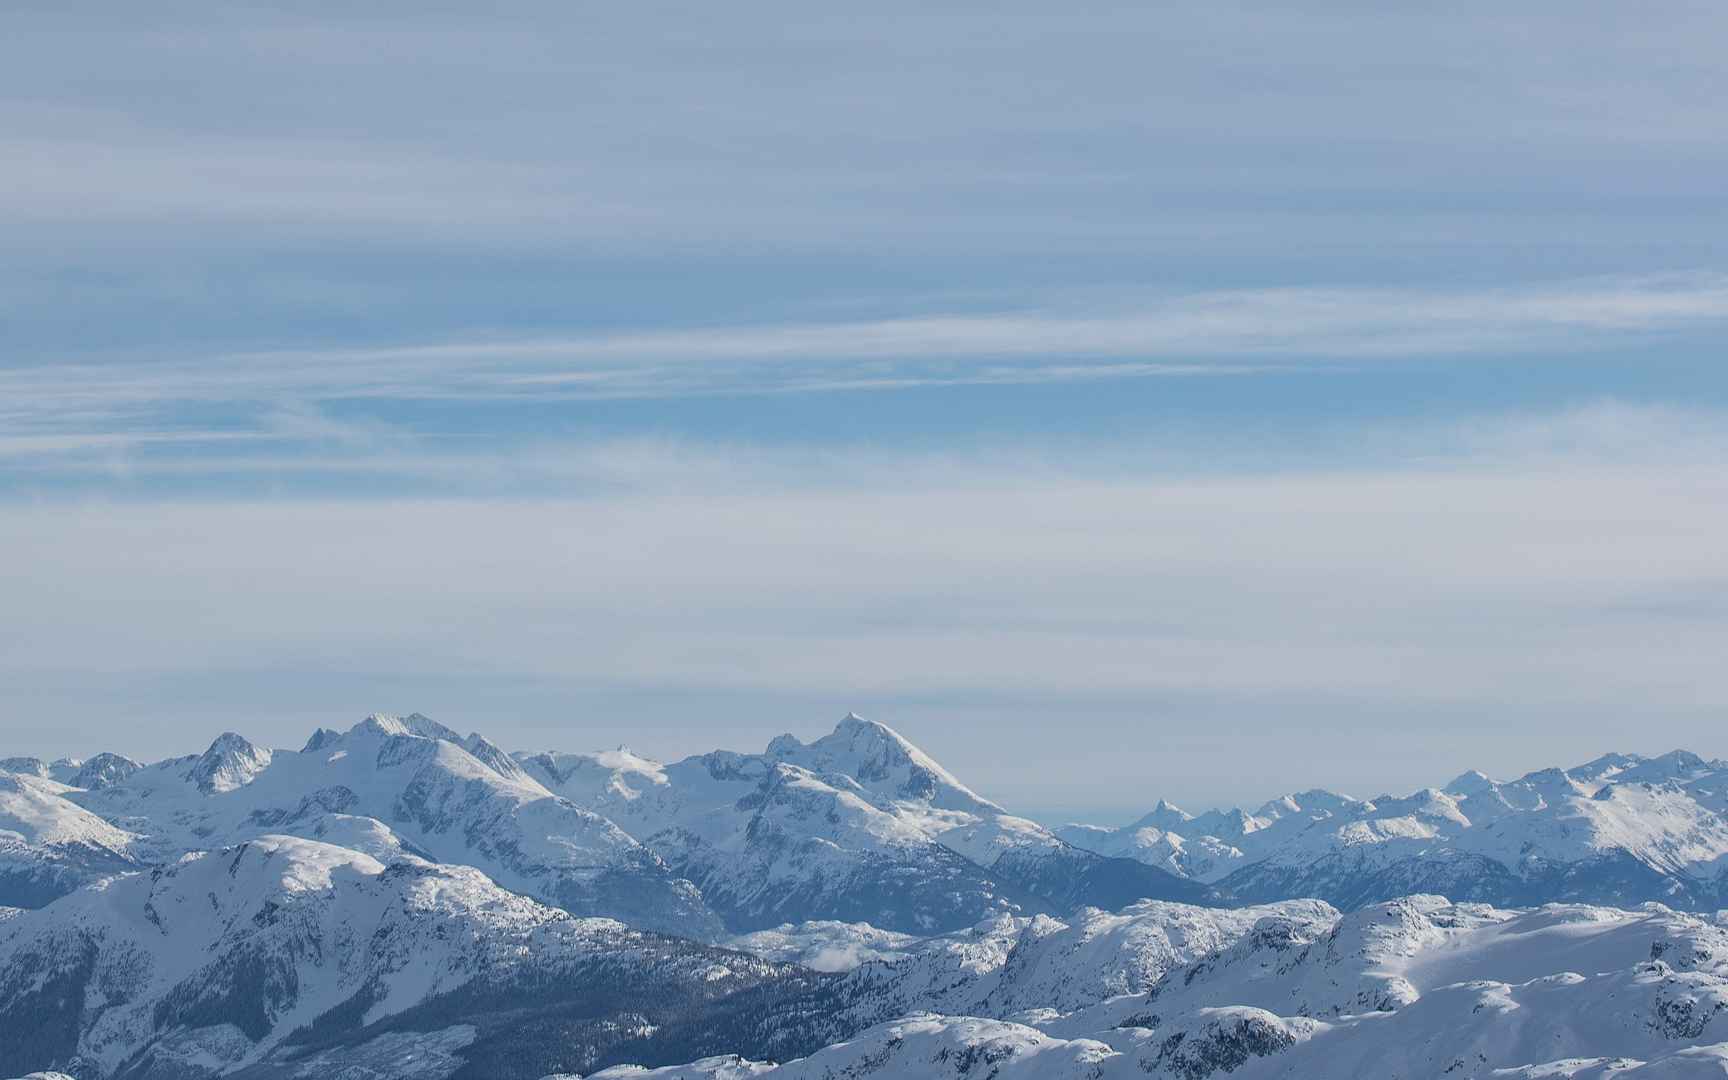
x: 1542, y: 570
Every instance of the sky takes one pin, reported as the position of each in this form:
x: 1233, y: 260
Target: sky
x: 1123, y: 401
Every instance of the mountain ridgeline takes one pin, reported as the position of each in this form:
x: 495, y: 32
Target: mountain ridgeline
x: 398, y: 899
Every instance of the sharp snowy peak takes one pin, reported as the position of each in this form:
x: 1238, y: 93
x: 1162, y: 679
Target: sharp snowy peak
x: 884, y: 762
x: 231, y: 762
x: 422, y: 781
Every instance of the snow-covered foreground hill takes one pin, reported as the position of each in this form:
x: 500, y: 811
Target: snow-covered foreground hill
x: 1620, y: 829
x: 287, y: 957
x: 1416, y: 988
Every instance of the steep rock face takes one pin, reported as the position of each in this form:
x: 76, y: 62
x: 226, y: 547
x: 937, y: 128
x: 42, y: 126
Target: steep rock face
x: 1620, y: 829
x: 417, y: 777
x: 282, y: 955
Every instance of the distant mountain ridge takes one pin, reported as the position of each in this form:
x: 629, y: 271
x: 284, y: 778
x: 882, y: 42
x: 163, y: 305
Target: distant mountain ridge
x: 858, y: 825
x: 861, y: 825
x: 1619, y: 829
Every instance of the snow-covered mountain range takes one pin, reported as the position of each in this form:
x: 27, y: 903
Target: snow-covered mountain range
x: 1620, y: 829
x: 398, y: 900
x: 859, y: 825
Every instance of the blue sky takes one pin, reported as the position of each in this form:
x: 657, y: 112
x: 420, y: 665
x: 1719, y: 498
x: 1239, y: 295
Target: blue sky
x: 1126, y: 401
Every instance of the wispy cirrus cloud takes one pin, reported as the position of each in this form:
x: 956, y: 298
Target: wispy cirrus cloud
x: 60, y: 407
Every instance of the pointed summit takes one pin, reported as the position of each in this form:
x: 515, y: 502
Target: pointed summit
x: 885, y: 762
x: 1469, y: 782
x: 231, y: 762
x: 1164, y: 817
x: 493, y: 757
x: 321, y: 738
x: 414, y: 724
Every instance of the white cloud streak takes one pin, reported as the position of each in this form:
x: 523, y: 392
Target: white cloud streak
x: 55, y: 406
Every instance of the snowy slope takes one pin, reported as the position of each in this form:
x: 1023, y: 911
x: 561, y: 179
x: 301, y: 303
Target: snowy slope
x: 282, y: 955
x: 1018, y: 967
x: 49, y: 845
x: 826, y: 945
x: 1417, y: 988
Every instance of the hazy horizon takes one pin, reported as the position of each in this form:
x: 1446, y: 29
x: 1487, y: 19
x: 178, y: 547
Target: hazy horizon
x: 970, y: 764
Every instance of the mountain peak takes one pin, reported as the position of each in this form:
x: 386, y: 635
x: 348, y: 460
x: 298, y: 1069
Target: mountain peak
x: 231, y: 762
x: 414, y: 724
x: 104, y: 770
x: 855, y: 726
x: 1164, y: 817
x: 490, y: 754
x: 320, y: 739
x: 26, y: 766
x: 1469, y: 782
x: 884, y: 761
